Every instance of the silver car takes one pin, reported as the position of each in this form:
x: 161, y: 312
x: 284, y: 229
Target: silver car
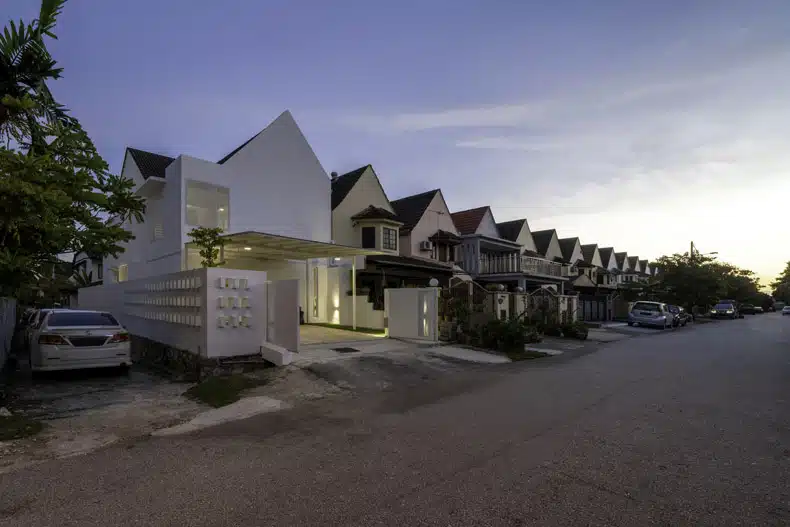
x: 653, y: 314
x: 68, y: 339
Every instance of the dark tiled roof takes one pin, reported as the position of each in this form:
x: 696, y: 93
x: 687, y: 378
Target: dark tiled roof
x: 620, y: 259
x: 467, y: 221
x: 589, y: 251
x: 411, y: 208
x: 342, y: 185
x: 606, y: 254
x: 632, y: 261
x: 374, y: 213
x: 584, y: 265
x: 567, y: 245
x: 510, y: 230
x: 543, y: 240
x: 150, y: 164
x: 643, y: 264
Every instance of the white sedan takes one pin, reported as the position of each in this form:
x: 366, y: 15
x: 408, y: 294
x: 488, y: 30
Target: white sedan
x: 70, y: 339
x: 786, y: 310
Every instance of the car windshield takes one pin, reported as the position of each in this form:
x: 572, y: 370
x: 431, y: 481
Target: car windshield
x: 77, y: 318
x: 723, y: 306
x: 646, y: 306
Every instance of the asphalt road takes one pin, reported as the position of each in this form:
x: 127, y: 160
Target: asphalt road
x: 688, y: 427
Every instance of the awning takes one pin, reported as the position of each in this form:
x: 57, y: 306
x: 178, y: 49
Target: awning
x: 251, y: 244
x: 412, y: 263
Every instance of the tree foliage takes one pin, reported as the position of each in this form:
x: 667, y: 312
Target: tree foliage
x: 702, y: 280
x: 781, y: 286
x: 209, y: 241
x: 57, y: 192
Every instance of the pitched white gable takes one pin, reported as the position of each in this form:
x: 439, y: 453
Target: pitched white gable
x: 278, y: 185
x: 488, y: 226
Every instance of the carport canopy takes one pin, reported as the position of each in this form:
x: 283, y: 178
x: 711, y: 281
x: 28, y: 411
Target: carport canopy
x: 252, y: 244
x: 265, y: 246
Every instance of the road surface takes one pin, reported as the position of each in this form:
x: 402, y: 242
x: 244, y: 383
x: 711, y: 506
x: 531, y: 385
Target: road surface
x: 690, y: 427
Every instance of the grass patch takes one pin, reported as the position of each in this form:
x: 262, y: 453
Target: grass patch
x: 370, y: 331
x: 222, y: 391
x: 17, y: 427
x: 518, y: 355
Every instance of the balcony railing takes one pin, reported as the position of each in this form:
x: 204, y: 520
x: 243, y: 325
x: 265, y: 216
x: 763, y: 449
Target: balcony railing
x: 515, y: 264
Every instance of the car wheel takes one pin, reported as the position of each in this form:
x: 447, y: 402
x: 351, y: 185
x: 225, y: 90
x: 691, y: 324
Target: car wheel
x: 630, y: 323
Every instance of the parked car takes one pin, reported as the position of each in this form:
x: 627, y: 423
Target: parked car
x: 786, y: 310
x: 653, y: 314
x: 724, y: 311
x: 758, y: 310
x: 748, y: 309
x: 735, y: 304
x: 680, y: 317
x: 70, y: 339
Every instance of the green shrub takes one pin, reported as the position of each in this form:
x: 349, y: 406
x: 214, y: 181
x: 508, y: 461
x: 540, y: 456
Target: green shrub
x: 504, y: 335
x: 575, y: 330
x: 552, y: 330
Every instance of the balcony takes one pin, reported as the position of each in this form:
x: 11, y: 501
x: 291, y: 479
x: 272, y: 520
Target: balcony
x: 515, y: 264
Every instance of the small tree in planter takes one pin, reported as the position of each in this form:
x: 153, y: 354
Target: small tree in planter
x: 210, y: 242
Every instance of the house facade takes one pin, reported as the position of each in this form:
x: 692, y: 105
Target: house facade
x: 270, y: 196
x: 428, y: 237
x: 503, y: 253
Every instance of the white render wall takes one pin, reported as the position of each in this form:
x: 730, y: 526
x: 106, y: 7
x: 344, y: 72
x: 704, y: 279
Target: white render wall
x: 525, y: 239
x: 277, y: 184
x: 144, y: 255
x: 437, y: 216
x: 183, y: 310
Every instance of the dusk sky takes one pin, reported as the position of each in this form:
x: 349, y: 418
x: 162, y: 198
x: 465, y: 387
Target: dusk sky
x: 635, y: 124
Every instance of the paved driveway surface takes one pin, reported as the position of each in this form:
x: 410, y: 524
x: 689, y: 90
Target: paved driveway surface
x: 683, y: 428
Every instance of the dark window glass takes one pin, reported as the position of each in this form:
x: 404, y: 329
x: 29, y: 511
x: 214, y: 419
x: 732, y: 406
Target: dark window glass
x: 81, y: 319
x: 646, y: 306
x: 369, y: 237
x: 390, y: 239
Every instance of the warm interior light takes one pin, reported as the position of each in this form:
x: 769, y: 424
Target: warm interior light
x: 221, y: 209
x: 248, y: 248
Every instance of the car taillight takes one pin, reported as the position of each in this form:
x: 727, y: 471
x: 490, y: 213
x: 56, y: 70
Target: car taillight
x: 120, y: 337
x: 51, y: 340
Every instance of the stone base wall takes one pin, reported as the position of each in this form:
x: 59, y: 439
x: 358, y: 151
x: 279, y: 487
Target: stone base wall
x: 185, y: 366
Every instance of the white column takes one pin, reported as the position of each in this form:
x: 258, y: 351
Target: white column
x: 354, y: 292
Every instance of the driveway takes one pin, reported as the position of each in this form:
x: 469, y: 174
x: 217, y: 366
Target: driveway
x: 683, y: 428
x: 84, y: 410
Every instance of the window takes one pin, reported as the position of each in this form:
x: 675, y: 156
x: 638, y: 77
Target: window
x: 100, y: 271
x: 441, y: 253
x: 77, y: 318
x: 368, y: 237
x: 207, y: 205
x: 159, y: 232
x: 389, y: 240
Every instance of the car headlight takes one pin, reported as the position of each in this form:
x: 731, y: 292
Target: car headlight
x: 729, y: 311
x: 713, y: 311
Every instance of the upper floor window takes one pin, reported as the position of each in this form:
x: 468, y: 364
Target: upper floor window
x: 368, y: 237
x: 207, y: 205
x: 389, y: 239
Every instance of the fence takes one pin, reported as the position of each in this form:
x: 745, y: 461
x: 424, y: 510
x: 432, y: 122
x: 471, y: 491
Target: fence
x: 7, y: 325
x: 212, y: 312
x: 469, y: 305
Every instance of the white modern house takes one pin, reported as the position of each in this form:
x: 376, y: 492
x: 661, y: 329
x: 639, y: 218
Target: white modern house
x: 270, y: 196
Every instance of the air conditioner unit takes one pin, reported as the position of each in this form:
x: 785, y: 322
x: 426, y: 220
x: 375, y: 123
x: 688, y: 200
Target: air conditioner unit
x: 426, y: 246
